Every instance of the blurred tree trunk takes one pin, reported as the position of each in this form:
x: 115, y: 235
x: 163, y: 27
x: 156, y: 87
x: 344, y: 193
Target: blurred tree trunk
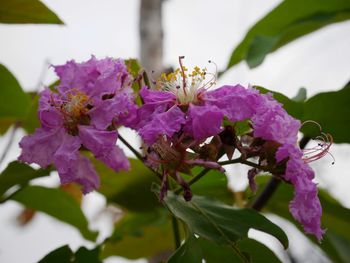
x: 151, y: 35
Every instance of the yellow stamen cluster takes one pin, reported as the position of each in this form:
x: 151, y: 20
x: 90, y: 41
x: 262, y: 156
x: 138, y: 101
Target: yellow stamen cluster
x: 184, y: 86
x: 76, y: 103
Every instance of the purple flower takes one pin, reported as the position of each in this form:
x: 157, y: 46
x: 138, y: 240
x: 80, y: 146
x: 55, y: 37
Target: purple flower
x: 91, y: 97
x: 305, y: 207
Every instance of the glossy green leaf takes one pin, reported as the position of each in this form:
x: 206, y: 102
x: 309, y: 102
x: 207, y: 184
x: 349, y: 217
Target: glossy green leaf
x: 335, y: 219
x: 57, y: 204
x: 218, y: 222
x: 189, y: 252
x: 288, y: 21
x: 26, y: 12
x: 14, y: 102
x: 194, y: 250
x: 140, y: 235
x: 17, y: 173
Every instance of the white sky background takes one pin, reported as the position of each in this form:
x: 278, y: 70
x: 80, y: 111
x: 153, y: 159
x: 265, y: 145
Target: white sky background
x: 200, y: 30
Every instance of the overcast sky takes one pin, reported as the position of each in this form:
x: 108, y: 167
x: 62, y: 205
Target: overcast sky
x: 200, y: 30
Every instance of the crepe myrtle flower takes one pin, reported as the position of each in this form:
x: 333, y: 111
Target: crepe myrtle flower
x: 81, y: 112
x: 183, y: 113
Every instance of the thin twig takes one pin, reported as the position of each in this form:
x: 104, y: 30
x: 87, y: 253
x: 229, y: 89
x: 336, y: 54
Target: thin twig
x: 139, y: 156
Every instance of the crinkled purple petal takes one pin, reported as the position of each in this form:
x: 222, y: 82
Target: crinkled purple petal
x: 156, y: 96
x: 94, y: 77
x: 105, y: 111
x: 86, y: 175
x: 305, y: 207
x: 166, y: 123
x: 48, y: 113
x: 72, y: 167
x: 272, y: 122
x: 236, y: 102
x: 66, y: 156
x: 41, y: 146
x: 203, y: 121
x: 103, y: 145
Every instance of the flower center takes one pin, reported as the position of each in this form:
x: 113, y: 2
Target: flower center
x: 75, y: 110
x: 185, y: 86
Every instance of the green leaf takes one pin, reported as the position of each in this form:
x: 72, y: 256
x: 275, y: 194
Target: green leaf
x: 218, y: 222
x: 57, y: 204
x: 60, y: 255
x: 27, y: 11
x: 31, y: 121
x: 189, y: 252
x: 65, y: 255
x: 288, y: 21
x: 140, y: 235
x: 14, y: 102
x: 335, y: 219
x: 17, y: 173
x: 131, y: 190
x: 135, y: 69
x: 83, y: 255
x: 196, y: 249
x: 331, y: 110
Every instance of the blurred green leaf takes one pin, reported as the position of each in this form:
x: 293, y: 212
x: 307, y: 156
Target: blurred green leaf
x: 31, y: 121
x: 60, y: 255
x: 84, y: 255
x: 14, y: 102
x: 331, y: 110
x: 335, y: 219
x: 288, y: 21
x: 57, y: 204
x: 131, y: 190
x: 65, y: 255
x: 196, y: 249
x: 140, y: 235
x: 17, y: 173
x: 218, y: 222
x: 26, y: 12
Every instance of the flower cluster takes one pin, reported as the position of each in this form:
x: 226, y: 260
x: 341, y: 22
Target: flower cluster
x: 182, y: 123
x: 82, y: 111
x: 183, y: 114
